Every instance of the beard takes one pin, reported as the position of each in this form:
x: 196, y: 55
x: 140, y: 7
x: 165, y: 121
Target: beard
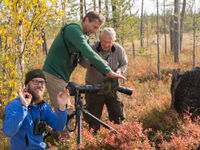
x: 36, y: 96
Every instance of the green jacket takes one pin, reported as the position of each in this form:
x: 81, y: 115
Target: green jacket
x: 57, y: 60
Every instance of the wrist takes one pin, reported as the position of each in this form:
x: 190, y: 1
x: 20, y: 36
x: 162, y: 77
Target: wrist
x: 109, y: 73
x: 24, y: 104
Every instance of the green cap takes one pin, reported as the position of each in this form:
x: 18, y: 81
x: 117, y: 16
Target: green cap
x: 36, y: 73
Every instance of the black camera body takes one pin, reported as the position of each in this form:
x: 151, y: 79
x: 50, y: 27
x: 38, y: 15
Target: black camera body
x: 73, y: 87
x: 39, y: 127
x: 74, y: 59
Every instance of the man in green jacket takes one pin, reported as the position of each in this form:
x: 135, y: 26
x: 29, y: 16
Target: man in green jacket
x: 69, y: 47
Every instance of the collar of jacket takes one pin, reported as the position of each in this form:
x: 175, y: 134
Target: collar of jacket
x: 37, y: 104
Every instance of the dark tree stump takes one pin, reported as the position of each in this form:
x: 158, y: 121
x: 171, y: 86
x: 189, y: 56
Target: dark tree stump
x: 185, y: 91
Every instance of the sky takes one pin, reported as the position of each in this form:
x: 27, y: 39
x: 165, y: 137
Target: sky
x: 150, y: 5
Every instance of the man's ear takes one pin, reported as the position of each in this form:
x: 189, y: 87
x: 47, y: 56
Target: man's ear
x: 86, y: 20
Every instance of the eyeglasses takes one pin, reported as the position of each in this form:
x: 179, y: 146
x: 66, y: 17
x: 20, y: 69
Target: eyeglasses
x: 107, y: 42
x: 36, y: 82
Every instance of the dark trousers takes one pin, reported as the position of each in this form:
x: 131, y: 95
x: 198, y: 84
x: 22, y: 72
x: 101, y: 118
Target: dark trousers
x: 95, y: 104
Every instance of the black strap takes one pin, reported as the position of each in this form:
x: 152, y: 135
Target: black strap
x: 109, y: 53
x: 30, y: 109
x: 99, y: 47
x: 26, y: 139
x: 74, y: 56
x: 63, y: 33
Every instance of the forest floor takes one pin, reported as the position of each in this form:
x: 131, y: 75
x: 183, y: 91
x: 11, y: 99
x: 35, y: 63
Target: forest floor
x: 150, y: 122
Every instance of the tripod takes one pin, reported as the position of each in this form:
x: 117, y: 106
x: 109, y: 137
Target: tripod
x: 78, y: 113
x: 76, y: 90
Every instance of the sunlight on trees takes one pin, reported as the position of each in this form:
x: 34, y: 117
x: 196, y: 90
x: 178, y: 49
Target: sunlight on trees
x: 20, y: 27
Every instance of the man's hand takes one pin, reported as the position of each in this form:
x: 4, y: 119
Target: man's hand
x: 25, y: 97
x: 119, y: 72
x: 112, y: 74
x: 63, y: 99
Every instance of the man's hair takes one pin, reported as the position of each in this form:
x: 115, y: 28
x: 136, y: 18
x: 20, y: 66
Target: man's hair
x: 92, y: 16
x: 109, y: 31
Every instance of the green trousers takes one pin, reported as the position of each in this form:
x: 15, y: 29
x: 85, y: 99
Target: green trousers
x: 95, y: 104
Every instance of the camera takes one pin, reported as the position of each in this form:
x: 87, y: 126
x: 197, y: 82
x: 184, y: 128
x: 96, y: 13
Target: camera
x: 125, y: 90
x: 39, y: 127
x: 74, y: 59
x: 73, y: 87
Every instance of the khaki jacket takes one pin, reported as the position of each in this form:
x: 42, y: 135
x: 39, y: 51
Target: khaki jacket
x: 116, y: 58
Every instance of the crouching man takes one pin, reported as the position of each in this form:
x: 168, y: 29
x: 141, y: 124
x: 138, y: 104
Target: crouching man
x: 27, y: 115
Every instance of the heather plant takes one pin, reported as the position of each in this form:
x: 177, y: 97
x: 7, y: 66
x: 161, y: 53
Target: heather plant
x: 186, y: 138
x: 129, y: 136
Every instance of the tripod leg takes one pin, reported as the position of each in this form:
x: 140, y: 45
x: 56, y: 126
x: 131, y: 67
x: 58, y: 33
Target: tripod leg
x: 79, y: 117
x: 99, y: 121
x: 79, y: 128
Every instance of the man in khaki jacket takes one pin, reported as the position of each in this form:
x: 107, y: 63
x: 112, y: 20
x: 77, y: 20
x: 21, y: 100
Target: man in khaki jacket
x: 114, y: 55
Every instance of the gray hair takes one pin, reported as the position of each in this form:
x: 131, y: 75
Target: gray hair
x: 109, y: 31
